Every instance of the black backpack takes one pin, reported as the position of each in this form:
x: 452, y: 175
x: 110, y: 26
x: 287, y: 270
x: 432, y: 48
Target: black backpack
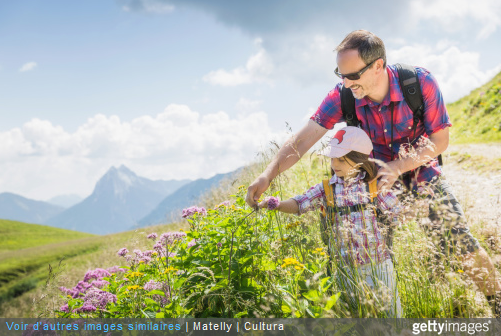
x: 413, y: 96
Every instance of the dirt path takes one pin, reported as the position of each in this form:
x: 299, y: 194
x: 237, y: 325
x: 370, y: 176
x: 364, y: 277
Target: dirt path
x: 480, y: 195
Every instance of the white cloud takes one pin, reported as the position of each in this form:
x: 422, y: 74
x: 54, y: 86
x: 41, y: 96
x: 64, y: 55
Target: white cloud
x: 150, y: 6
x: 41, y: 160
x: 453, y: 16
x: 245, y: 105
x: 457, y: 72
x: 28, y: 66
x: 257, y: 70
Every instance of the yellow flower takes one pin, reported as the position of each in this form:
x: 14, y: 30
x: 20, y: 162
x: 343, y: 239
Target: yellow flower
x: 133, y: 287
x: 322, y: 253
x: 319, y: 249
x: 460, y: 271
x: 298, y: 267
x: 170, y: 269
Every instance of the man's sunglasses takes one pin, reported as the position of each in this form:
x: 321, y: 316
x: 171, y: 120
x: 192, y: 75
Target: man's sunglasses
x: 354, y: 75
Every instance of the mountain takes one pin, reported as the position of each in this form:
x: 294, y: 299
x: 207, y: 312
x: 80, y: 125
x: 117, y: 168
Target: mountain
x: 65, y: 201
x: 477, y: 116
x: 120, y: 198
x: 18, y: 208
x: 171, y: 207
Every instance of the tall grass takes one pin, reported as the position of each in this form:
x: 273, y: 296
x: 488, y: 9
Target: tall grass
x: 270, y: 264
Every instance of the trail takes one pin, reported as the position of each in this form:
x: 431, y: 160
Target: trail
x: 480, y: 195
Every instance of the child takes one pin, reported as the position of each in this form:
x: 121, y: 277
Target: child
x: 355, y: 239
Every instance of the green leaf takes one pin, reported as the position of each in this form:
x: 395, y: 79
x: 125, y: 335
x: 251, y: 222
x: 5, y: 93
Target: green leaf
x: 286, y: 309
x: 160, y: 315
x: 241, y: 314
x: 221, y: 284
x: 150, y: 302
x: 312, y: 295
x: 156, y: 292
x: 332, y: 301
x: 148, y: 314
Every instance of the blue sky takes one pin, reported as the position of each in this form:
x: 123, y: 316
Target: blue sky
x: 188, y: 89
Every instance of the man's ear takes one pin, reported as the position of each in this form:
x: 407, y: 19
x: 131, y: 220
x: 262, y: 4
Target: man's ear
x: 379, y: 65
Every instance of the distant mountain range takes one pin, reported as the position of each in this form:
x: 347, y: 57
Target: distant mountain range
x: 65, y: 201
x: 170, y: 209
x: 120, y: 198
x: 121, y: 201
x: 18, y: 208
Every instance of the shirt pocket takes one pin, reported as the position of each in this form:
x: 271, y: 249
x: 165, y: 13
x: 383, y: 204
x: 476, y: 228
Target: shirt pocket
x: 403, y: 130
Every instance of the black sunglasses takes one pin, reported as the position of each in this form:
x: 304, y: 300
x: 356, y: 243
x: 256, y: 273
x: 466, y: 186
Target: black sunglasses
x: 354, y: 75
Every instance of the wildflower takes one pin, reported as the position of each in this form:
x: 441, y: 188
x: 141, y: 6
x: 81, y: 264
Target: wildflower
x: 188, y: 212
x: 151, y: 285
x: 134, y: 274
x: 219, y: 245
x: 116, y: 269
x: 65, y: 308
x: 86, y: 308
x: 192, y: 243
x: 152, y: 236
x: 170, y: 269
x: 169, y: 238
x: 99, y: 283
x: 223, y: 204
x: 98, y: 298
x: 273, y: 203
x: 460, y: 271
x: 122, y: 252
x: 98, y: 274
x: 133, y: 287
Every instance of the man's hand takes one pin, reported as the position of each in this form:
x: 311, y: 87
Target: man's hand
x: 256, y: 189
x: 389, y: 174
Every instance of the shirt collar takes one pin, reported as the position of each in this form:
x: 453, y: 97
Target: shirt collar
x: 338, y: 180
x: 394, y: 95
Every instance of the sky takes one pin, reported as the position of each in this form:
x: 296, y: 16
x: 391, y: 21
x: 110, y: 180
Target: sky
x: 185, y: 89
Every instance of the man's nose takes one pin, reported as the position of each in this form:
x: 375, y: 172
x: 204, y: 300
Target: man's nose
x: 347, y: 83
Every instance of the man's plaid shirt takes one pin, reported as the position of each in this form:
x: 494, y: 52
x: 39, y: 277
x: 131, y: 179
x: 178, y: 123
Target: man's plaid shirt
x: 375, y: 119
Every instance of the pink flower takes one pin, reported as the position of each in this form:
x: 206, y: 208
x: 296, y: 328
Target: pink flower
x: 188, y: 212
x: 122, y: 252
x: 273, y: 203
x: 152, y: 236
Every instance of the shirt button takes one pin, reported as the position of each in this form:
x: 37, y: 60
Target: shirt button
x: 385, y: 131
x: 389, y: 145
x: 410, y: 127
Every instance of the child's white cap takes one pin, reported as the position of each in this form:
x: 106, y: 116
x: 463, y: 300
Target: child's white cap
x: 348, y: 139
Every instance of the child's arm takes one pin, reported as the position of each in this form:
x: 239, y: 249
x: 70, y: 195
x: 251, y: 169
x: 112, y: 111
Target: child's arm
x: 287, y: 206
x: 310, y: 200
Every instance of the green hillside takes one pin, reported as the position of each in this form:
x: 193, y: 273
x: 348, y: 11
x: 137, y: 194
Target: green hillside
x: 17, y: 235
x: 26, y: 250
x: 476, y: 118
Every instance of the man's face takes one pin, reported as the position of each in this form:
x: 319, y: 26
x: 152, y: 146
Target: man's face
x: 349, y: 62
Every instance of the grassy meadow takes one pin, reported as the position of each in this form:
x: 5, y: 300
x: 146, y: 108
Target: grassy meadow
x: 264, y: 264
x: 222, y: 276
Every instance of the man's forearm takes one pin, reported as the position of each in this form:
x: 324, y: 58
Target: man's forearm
x: 439, y: 143
x: 286, y: 157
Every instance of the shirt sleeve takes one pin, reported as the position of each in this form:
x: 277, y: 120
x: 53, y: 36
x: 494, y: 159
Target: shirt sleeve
x: 329, y: 112
x: 436, y: 117
x: 310, y: 200
x: 390, y: 207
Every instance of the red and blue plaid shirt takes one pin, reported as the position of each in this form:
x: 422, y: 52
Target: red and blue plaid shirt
x: 360, y: 237
x: 375, y: 119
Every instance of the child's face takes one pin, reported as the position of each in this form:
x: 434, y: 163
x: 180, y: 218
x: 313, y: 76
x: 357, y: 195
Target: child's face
x: 344, y: 167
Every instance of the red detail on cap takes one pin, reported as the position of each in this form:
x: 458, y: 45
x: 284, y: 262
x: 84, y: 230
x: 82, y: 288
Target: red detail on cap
x: 339, y: 136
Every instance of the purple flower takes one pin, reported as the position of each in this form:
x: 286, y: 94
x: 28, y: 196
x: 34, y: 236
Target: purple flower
x: 148, y: 253
x: 65, y: 308
x: 98, y: 274
x: 98, y: 298
x: 116, y: 269
x: 273, y: 203
x: 170, y: 237
x: 188, y: 212
x: 151, y: 285
x: 86, y: 308
x: 122, y: 252
x: 152, y: 236
x: 99, y: 283
x: 138, y: 253
x: 192, y: 243
x: 219, y: 245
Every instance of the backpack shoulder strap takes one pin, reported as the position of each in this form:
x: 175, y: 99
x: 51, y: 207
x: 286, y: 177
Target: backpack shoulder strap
x: 329, y: 195
x: 411, y: 89
x: 348, y: 107
x: 372, y: 189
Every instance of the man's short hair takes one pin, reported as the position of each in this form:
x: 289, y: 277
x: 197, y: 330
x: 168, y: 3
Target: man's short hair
x: 369, y: 46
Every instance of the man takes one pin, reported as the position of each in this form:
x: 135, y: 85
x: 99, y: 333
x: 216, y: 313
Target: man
x: 361, y: 60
